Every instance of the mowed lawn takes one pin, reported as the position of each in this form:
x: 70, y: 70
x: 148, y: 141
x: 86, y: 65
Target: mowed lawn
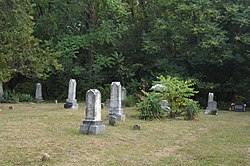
x: 29, y: 130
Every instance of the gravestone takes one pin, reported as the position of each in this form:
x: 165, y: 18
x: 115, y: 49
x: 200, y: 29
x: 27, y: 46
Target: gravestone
x: 158, y: 87
x: 164, y: 106
x: 1, y: 91
x: 238, y: 107
x: 71, y: 102
x: 116, y: 102
x: 123, y: 95
x: 112, y: 120
x: 211, y: 104
x: 39, y: 97
x: 210, y: 97
x: 137, y: 127
x: 92, y: 123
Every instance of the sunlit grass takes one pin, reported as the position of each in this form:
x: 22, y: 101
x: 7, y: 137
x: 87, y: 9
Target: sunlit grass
x: 29, y: 130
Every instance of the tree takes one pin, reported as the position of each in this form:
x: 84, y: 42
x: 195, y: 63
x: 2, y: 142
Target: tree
x: 20, y: 52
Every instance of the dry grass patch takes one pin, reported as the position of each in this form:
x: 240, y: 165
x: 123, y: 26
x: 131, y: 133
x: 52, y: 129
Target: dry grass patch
x: 29, y: 130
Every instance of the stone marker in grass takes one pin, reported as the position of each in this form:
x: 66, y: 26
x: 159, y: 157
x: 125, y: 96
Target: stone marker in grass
x: 39, y: 96
x: 115, y: 106
x: 92, y: 123
x: 1, y: 91
x: 71, y: 101
x: 123, y: 95
x: 211, y: 105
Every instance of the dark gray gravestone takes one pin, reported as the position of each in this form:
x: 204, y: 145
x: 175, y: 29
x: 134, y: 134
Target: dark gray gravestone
x: 239, y: 107
x: 112, y: 120
x: 68, y: 105
x: 137, y: 127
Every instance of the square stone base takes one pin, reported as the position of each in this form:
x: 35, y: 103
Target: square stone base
x: 92, y: 127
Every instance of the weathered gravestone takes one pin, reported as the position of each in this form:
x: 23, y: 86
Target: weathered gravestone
x: 1, y: 91
x: 92, y: 123
x: 211, y: 105
x: 112, y: 120
x: 115, y: 106
x: 238, y: 107
x: 123, y: 95
x: 164, y: 106
x: 39, y: 96
x: 71, y: 102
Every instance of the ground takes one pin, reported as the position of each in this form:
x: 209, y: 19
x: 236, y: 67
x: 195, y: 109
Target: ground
x: 29, y: 130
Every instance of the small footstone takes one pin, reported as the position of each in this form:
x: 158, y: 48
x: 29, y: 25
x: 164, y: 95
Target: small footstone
x: 112, y: 120
x: 137, y: 127
x: 45, y: 157
x: 68, y: 105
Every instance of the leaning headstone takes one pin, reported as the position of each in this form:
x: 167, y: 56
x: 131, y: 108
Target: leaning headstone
x: 92, y: 123
x: 116, y: 102
x: 39, y: 97
x: 71, y: 101
x: 1, y: 91
x: 211, y: 105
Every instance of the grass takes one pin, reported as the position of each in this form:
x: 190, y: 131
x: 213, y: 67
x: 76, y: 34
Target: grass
x: 29, y: 130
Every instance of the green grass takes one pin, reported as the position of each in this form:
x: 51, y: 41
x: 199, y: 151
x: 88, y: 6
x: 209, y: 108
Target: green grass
x: 32, y: 129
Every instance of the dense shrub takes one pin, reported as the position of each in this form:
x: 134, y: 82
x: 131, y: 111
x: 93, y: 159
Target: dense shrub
x: 10, y: 97
x: 192, y: 109
x: 178, y: 93
x: 150, y: 106
x: 25, y: 98
x: 130, y: 101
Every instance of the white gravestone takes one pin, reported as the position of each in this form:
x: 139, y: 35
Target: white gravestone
x: 210, y: 97
x: 211, y: 104
x: 115, y: 106
x: 1, y: 91
x: 92, y: 123
x: 123, y: 95
x: 39, y: 96
x: 71, y: 101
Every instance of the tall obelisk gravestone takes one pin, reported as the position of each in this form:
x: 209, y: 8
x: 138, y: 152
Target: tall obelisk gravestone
x: 39, y: 96
x: 71, y: 101
x: 115, y: 106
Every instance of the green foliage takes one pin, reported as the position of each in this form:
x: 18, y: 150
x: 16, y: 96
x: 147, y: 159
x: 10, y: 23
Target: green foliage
x: 105, y: 91
x: 192, y: 109
x: 177, y: 92
x: 10, y: 97
x: 150, y: 106
x: 25, y: 98
x: 13, y: 97
x: 20, y: 51
x: 130, y: 101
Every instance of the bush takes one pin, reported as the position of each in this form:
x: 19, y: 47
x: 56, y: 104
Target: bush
x: 177, y: 92
x: 150, y: 106
x: 25, y: 98
x: 192, y: 109
x: 10, y: 97
x: 105, y: 91
x: 130, y: 101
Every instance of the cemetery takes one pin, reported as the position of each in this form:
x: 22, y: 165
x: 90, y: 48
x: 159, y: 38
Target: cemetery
x: 47, y: 133
x: 134, y: 83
